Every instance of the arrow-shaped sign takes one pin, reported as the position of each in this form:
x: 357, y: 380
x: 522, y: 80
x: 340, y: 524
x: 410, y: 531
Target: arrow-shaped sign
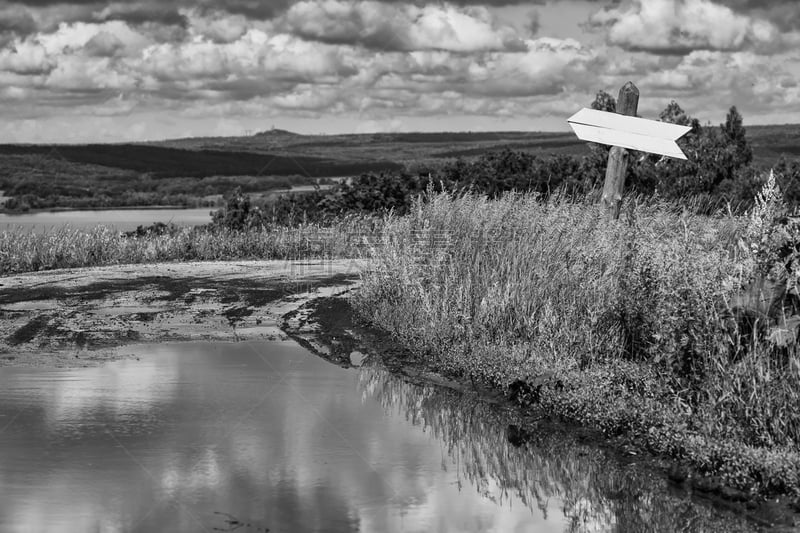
x: 628, y: 132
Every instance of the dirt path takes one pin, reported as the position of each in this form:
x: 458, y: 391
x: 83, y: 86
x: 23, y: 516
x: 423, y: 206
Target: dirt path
x: 79, y: 317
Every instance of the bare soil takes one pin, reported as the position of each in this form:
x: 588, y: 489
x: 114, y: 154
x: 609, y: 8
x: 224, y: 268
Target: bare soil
x: 79, y: 317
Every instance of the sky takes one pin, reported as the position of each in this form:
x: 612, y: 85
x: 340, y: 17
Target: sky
x: 89, y: 71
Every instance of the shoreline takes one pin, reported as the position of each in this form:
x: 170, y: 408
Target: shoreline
x: 111, y: 208
x: 299, y: 189
x: 330, y: 328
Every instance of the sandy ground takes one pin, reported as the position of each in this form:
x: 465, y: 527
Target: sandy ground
x: 80, y: 317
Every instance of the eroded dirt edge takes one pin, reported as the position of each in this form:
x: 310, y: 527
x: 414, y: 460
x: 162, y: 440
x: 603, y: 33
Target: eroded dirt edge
x: 80, y: 317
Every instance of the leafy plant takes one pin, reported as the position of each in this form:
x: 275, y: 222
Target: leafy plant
x: 768, y: 307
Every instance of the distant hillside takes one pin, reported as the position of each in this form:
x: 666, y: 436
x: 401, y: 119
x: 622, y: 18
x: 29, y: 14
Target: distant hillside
x: 281, y: 153
x: 402, y: 148
x: 769, y: 143
x: 163, y: 162
x: 276, y: 132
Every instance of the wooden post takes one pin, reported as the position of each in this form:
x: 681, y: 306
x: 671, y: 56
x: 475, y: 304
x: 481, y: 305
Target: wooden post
x: 627, y: 104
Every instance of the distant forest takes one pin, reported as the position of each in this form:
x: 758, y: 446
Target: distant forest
x: 43, y: 177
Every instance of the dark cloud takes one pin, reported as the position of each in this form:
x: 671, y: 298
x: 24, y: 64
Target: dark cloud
x: 270, y: 8
x: 489, y: 3
x: 666, y: 50
x: 785, y: 15
x: 533, y: 23
x: 252, y: 9
x: 250, y: 87
x: 16, y: 19
x: 50, y: 3
x: 53, y: 12
x: 745, y: 5
x: 31, y: 16
x: 104, y: 44
x: 142, y: 13
x: 166, y: 12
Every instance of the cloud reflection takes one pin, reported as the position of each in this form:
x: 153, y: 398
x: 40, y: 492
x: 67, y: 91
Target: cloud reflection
x: 288, y: 441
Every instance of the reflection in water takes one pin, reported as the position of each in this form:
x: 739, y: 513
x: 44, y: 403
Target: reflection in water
x: 246, y: 437
x: 503, y: 463
x: 196, y: 437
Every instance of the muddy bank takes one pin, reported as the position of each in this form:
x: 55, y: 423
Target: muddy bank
x: 78, y: 317
x: 329, y: 327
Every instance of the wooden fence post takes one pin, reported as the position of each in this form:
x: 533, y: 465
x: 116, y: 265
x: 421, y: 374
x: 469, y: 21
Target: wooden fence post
x: 627, y: 104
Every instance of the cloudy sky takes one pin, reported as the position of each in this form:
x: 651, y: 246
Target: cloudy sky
x: 83, y: 70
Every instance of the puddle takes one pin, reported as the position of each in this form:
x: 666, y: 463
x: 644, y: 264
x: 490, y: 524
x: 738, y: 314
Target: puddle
x: 122, y: 310
x: 36, y: 305
x: 253, y: 436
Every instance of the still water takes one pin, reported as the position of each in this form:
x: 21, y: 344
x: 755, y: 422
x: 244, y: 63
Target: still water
x: 121, y: 219
x: 255, y: 436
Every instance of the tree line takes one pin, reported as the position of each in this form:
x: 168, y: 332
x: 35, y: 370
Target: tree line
x: 719, y: 175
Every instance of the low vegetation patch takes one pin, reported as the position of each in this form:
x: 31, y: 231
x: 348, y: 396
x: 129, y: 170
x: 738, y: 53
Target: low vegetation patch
x: 22, y: 251
x: 674, y: 329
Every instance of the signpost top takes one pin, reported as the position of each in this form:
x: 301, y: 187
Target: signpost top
x: 641, y: 126
x: 628, y: 132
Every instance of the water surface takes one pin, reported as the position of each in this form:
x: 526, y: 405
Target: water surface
x: 120, y: 219
x: 248, y: 436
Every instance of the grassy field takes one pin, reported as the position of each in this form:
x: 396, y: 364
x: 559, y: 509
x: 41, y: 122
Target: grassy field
x: 71, y: 248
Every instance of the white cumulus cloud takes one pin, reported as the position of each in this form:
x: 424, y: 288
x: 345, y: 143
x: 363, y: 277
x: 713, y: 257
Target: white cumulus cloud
x: 681, y: 26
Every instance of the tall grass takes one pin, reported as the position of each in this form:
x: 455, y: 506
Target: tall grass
x: 630, y: 318
x: 24, y: 251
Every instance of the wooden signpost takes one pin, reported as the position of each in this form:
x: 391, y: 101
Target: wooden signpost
x: 624, y: 131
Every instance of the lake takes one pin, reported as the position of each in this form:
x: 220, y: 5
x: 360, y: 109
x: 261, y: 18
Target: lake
x: 266, y: 436
x: 125, y: 219
x: 121, y: 219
